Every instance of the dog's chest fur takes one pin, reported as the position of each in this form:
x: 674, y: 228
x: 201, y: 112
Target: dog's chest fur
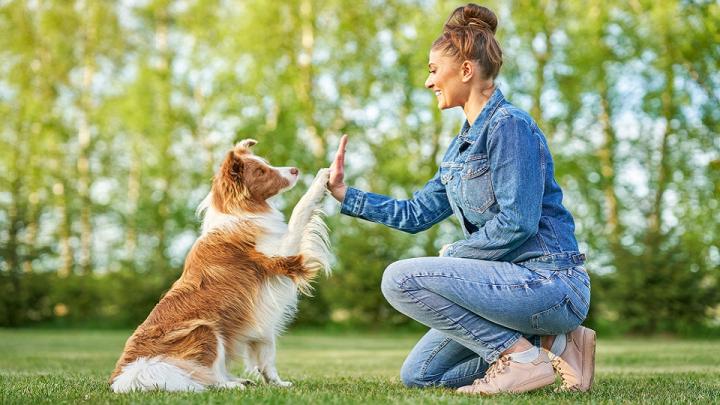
x: 278, y: 298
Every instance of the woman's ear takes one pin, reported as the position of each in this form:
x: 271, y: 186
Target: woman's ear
x: 467, y: 70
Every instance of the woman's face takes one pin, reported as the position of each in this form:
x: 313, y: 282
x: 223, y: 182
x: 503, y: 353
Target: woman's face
x: 445, y: 79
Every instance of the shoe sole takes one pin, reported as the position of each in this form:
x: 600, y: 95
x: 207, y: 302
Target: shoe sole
x: 532, y: 385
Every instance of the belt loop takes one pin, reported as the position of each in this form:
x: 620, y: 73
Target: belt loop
x: 578, y: 259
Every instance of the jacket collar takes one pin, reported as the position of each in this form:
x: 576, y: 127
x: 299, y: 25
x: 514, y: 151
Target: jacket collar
x: 470, y: 133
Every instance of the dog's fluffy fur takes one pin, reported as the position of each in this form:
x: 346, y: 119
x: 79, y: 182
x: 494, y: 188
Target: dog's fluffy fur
x: 239, y: 286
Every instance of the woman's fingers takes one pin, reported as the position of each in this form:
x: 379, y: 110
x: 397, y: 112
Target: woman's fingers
x: 336, y: 183
x: 339, y: 162
x: 341, y: 149
x: 337, y: 169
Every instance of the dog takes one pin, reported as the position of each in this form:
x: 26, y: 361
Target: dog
x: 239, y: 286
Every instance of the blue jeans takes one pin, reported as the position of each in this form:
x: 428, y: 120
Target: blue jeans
x: 477, y: 309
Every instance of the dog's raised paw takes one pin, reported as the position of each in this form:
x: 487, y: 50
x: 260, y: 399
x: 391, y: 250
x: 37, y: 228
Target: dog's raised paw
x: 323, y: 175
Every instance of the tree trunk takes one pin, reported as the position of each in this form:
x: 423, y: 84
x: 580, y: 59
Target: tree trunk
x: 31, y: 230
x: 430, y: 248
x: 84, y: 138
x: 663, y: 169
x: 606, y: 155
x: 131, y: 238
x: 67, y: 260
x: 542, y: 57
x: 165, y: 125
x: 318, y: 143
x: 15, y: 219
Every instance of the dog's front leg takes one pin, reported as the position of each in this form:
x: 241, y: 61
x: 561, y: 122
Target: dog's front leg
x: 303, y: 212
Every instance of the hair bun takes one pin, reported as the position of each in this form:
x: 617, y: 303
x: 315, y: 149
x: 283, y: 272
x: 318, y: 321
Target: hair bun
x: 472, y: 16
x: 469, y: 34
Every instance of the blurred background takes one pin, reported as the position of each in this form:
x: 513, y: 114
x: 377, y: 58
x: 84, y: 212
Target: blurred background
x: 114, y: 115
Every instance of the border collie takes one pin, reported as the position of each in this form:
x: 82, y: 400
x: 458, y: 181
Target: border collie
x: 239, y: 287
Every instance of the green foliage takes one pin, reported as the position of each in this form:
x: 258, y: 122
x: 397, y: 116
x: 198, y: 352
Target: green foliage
x: 116, y: 114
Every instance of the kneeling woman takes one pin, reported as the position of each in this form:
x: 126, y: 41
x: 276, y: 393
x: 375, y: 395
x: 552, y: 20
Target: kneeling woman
x: 504, y: 304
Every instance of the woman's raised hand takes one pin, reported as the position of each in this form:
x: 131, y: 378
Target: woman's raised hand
x: 336, y: 184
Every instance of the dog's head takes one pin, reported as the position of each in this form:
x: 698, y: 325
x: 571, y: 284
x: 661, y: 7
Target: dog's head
x: 245, y: 181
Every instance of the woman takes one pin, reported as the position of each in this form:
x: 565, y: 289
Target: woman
x: 504, y: 304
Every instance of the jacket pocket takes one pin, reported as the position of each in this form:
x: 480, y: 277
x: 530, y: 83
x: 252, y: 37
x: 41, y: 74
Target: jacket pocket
x: 477, y: 190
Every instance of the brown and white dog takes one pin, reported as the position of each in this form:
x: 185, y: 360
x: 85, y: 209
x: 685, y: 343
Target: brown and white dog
x: 239, y: 286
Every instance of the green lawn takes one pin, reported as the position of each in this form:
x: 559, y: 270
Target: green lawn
x: 72, y: 367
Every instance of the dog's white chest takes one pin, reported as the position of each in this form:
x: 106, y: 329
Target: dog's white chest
x: 269, y: 244
x: 274, y: 231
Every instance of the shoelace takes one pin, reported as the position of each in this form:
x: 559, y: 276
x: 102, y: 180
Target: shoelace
x: 566, y: 386
x: 497, y: 368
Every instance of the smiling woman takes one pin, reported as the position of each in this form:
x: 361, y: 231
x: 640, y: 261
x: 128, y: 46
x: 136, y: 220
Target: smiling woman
x: 467, y: 50
x: 516, y: 281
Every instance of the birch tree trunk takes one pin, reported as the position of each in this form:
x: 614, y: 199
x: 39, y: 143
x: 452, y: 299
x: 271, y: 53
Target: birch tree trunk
x: 84, y: 138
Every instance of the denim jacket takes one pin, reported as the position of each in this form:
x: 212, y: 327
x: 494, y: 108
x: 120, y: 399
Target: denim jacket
x: 497, y: 179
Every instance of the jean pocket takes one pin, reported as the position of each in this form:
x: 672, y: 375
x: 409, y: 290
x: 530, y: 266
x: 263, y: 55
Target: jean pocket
x: 477, y: 190
x: 558, y: 319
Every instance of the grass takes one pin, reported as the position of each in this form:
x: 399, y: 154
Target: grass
x: 56, y: 367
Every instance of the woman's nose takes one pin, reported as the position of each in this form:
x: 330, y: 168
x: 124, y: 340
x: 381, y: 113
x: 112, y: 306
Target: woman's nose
x: 428, y: 83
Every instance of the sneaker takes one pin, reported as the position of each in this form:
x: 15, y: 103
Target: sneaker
x: 576, y: 364
x: 506, y: 375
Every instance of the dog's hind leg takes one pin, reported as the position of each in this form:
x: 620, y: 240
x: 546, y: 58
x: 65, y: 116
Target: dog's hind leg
x: 264, y: 353
x: 200, y: 344
x: 250, y: 360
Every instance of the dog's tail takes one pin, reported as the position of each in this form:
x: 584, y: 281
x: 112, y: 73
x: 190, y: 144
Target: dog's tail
x: 162, y: 373
x: 197, y: 338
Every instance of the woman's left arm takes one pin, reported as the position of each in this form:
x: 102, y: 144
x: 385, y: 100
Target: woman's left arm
x: 517, y: 170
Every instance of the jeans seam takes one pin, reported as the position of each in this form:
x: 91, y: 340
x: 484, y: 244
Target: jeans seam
x: 575, y: 290
x: 540, y: 280
x: 453, y: 380
x: 495, y: 352
x: 542, y: 243
x: 418, y: 301
x: 426, y: 363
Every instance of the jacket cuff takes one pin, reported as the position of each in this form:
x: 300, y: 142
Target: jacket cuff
x: 353, y: 203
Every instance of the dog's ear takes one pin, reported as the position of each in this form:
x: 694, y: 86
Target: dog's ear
x: 233, y: 167
x: 228, y: 187
x: 245, y: 145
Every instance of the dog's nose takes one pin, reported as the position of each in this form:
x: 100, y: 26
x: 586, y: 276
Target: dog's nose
x: 294, y: 171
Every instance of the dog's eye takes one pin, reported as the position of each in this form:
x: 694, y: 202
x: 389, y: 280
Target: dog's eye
x: 259, y: 171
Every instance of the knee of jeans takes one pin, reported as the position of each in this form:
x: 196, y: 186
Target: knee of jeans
x: 393, y: 276
x: 411, y: 377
